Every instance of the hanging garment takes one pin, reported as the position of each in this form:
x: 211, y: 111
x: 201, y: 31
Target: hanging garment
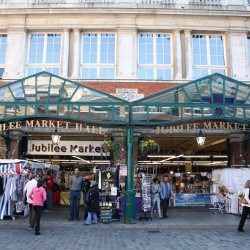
x: 1, y: 185
x: 14, y: 190
x: 6, y: 207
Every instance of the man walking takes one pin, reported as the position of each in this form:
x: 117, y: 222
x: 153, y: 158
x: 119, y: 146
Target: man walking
x: 75, y: 194
x: 49, y: 186
x: 28, y: 188
x: 166, y: 193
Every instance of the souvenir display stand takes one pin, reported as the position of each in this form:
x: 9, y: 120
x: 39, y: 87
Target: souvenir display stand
x: 145, y: 197
x: 108, y: 178
x: 105, y: 212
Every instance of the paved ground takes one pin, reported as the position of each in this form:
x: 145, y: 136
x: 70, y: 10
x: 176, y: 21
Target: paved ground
x: 196, y: 228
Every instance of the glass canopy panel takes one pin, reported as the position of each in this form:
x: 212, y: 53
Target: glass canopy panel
x: 17, y: 91
x: 192, y: 92
x: 52, y: 110
x: 43, y: 84
x: 29, y: 85
x: 6, y: 95
x: 240, y: 113
x: 242, y: 93
x: 21, y: 110
x: 62, y: 110
x: 73, y: 111
x: 120, y: 113
x: 30, y: 110
x: 100, y: 113
x: 217, y: 84
x: 247, y: 113
x: 204, y: 88
x: 159, y: 113
x: 230, y: 89
x: 67, y: 90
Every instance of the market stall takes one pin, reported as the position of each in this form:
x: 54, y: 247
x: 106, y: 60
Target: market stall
x: 13, y: 176
x: 231, y: 181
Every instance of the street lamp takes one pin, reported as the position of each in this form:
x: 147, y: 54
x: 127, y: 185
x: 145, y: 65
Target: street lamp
x: 200, y: 138
x: 55, y: 136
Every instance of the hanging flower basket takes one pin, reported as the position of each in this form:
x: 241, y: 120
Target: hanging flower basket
x: 148, y: 147
x: 112, y: 148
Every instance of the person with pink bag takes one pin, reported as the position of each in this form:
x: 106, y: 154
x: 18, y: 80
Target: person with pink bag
x: 38, y: 196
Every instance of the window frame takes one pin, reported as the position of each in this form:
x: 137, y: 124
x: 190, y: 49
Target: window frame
x: 155, y: 66
x: 98, y: 66
x: 248, y: 54
x: 2, y: 65
x: 44, y: 65
x: 209, y: 67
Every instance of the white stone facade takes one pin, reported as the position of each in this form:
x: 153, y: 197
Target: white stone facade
x: 127, y: 18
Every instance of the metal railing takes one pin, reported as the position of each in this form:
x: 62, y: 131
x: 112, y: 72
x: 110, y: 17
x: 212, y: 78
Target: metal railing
x: 206, y: 2
x: 97, y: 1
x: 158, y: 1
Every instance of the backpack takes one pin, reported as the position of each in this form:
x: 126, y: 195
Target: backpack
x: 55, y: 187
x: 84, y: 187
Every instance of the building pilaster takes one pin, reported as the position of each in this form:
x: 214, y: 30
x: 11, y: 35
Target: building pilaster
x: 76, y: 60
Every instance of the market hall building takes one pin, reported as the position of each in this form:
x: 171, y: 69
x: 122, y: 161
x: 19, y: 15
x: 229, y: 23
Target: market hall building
x: 127, y: 72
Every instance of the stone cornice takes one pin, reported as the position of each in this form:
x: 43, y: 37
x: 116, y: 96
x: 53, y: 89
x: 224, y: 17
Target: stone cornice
x: 126, y: 11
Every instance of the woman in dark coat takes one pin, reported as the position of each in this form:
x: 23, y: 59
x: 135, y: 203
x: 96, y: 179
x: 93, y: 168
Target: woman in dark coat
x: 92, y: 203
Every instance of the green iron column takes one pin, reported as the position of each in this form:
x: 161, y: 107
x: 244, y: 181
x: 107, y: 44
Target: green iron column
x: 130, y: 193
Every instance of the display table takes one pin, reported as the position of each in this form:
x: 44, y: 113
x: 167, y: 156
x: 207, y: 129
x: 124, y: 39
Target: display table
x: 65, y: 198
x: 192, y: 200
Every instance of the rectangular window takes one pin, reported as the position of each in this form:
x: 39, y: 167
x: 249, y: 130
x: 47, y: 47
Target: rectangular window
x: 98, y: 56
x: 208, y: 55
x: 44, y: 53
x: 3, y: 46
x: 155, y: 60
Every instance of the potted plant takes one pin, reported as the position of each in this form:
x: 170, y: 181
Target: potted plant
x: 148, y: 147
x: 112, y: 147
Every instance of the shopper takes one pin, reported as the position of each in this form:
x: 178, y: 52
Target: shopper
x: 246, y: 207
x: 38, y: 195
x: 28, y: 188
x: 49, y: 185
x: 85, y: 189
x: 92, y: 203
x: 75, y: 194
x: 155, y: 197
x: 165, y: 194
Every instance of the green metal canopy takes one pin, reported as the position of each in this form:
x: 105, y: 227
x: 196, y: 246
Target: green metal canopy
x: 51, y: 96
x: 214, y: 97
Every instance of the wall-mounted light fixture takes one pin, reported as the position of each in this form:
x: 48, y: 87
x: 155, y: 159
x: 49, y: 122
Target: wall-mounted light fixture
x: 55, y: 136
x: 201, y: 138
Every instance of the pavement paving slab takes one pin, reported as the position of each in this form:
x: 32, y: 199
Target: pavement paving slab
x: 193, y: 228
